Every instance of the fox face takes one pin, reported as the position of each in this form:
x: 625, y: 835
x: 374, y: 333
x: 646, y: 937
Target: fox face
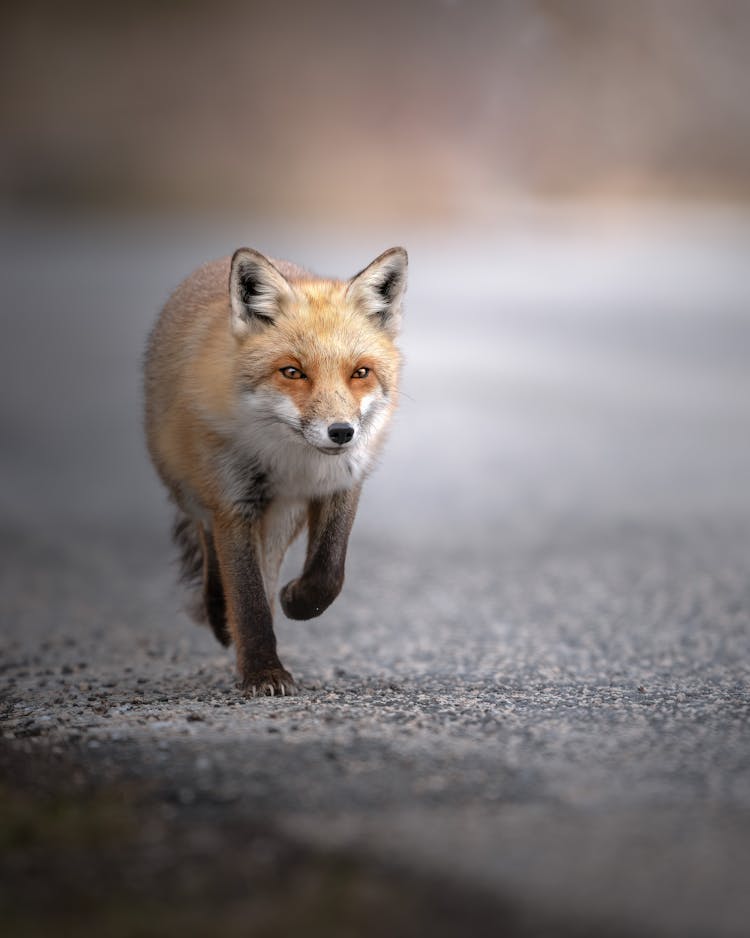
x: 316, y: 367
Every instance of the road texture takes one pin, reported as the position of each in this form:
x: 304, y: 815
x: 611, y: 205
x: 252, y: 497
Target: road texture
x: 527, y: 714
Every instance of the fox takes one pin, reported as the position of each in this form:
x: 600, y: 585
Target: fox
x: 268, y: 391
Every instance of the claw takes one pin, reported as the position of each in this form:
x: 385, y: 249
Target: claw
x: 271, y: 682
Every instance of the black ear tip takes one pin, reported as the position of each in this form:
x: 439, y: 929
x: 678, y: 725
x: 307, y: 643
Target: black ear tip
x: 247, y: 254
x: 397, y: 251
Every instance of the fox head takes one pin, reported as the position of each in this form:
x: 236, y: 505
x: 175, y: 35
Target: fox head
x: 316, y: 359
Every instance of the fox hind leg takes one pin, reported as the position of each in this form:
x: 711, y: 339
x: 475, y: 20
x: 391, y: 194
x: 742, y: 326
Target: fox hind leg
x: 199, y: 569
x: 187, y: 541
x: 214, y: 600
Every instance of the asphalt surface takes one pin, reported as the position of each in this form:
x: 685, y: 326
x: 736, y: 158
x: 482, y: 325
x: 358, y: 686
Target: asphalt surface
x: 535, y: 684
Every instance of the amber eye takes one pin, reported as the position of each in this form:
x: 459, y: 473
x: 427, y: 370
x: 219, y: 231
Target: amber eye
x: 291, y: 372
x: 361, y: 373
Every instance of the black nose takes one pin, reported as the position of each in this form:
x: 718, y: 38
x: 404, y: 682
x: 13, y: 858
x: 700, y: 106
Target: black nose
x: 341, y: 432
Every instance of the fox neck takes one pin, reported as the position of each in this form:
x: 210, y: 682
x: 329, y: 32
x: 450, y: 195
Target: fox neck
x: 276, y: 459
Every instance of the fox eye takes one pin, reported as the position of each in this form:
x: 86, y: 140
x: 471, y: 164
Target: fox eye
x: 291, y: 372
x: 361, y: 373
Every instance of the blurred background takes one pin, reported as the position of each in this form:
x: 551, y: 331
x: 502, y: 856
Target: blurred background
x: 548, y: 574
x: 570, y: 178
x: 433, y: 110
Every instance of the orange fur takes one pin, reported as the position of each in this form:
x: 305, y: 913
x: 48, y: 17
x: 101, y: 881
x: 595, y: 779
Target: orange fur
x: 268, y: 393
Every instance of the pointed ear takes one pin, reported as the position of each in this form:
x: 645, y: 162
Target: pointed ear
x: 257, y: 291
x: 380, y: 287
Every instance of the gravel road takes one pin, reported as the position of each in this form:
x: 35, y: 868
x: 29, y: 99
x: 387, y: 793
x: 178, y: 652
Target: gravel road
x: 528, y: 709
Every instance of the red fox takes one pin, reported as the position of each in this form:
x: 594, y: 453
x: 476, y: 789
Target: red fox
x: 267, y: 394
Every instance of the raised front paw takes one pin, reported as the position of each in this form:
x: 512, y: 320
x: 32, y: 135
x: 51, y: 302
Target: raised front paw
x: 307, y: 598
x: 269, y: 682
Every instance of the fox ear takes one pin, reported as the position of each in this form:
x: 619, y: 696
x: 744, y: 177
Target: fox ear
x: 380, y: 287
x: 257, y: 291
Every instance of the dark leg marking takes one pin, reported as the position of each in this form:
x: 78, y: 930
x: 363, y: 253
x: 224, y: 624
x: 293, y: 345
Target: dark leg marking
x: 213, y: 589
x: 185, y: 536
x: 248, y: 612
x: 256, y: 495
x: 330, y: 523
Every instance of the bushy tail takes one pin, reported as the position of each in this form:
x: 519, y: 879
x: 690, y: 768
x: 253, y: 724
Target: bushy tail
x: 186, y: 537
x: 206, y: 605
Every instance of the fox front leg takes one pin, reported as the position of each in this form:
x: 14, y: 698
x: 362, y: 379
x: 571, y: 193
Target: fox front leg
x: 330, y: 522
x: 248, y: 612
